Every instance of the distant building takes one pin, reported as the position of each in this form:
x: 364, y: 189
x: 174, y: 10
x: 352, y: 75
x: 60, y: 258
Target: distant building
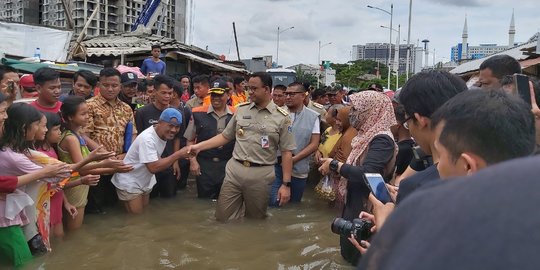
x: 307, y: 69
x: 463, y: 51
x: 378, y: 52
x: 22, y: 11
x: 258, y: 63
x: 116, y: 16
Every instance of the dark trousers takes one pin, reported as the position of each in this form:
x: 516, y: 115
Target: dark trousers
x: 102, y: 195
x: 348, y: 251
x: 211, y: 178
x: 184, y: 170
x: 166, y: 184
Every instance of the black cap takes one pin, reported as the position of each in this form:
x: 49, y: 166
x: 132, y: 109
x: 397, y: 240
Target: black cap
x: 219, y: 87
x: 128, y: 78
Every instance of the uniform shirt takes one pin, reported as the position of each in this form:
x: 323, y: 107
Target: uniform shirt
x: 251, y: 125
x: 196, y: 102
x: 107, y: 123
x: 238, y: 98
x: 191, y: 134
x: 318, y: 108
x: 149, y: 66
x: 146, y: 148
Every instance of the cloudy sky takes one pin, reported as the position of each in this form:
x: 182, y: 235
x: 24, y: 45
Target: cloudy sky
x: 349, y: 22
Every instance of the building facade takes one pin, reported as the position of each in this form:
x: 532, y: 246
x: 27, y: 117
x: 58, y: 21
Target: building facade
x: 474, y: 52
x: 114, y: 16
x: 378, y: 52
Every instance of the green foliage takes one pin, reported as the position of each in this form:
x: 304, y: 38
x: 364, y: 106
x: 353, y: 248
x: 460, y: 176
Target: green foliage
x: 301, y: 76
x: 350, y: 74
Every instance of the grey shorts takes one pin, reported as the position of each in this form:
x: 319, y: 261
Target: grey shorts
x: 128, y: 196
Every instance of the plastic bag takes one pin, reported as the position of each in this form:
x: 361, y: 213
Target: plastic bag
x: 325, y: 189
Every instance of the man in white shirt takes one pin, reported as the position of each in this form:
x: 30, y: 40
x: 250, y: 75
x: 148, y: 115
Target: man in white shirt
x: 134, y: 187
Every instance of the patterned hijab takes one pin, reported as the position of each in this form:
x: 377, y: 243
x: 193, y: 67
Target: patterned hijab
x: 372, y: 114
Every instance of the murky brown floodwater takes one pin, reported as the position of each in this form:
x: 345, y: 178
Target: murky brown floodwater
x: 182, y: 233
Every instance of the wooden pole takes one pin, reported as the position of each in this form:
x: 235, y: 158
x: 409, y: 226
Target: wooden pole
x: 236, y: 41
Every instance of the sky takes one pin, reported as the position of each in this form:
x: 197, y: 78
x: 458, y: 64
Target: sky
x: 348, y: 22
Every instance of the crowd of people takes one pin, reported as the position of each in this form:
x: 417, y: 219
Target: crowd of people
x: 251, y: 145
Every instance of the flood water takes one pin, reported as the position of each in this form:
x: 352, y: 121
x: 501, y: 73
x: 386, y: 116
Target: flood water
x: 181, y: 233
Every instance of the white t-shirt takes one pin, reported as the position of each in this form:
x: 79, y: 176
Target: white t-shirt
x: 146, y: 148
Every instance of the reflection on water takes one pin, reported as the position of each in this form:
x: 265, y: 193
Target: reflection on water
x: 181, y: 233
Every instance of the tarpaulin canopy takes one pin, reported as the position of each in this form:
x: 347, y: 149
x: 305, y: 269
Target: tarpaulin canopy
x: 32, y: 67
x: 22, y: 40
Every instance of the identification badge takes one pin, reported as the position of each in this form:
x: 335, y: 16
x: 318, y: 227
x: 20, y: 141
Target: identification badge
x: 265, y: 143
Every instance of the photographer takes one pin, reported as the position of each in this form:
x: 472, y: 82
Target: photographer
x: 373, y: 151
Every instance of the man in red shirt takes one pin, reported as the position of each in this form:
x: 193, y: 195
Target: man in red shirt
x: 48, y: 86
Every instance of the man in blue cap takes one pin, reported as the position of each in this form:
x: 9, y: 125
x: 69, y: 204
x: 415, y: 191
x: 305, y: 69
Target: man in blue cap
x: 134, y: 187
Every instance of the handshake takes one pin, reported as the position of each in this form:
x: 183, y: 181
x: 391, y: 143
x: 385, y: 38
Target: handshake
x: 189, y: 151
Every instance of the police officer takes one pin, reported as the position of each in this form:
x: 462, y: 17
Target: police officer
x: 206, y: 122
x: 260, y: 129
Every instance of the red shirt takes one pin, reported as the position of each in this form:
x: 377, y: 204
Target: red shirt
x: 55, y: 109
x: 8, y: 184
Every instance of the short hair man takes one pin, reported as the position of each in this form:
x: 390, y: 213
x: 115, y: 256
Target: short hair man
x: 206, y: 122
x: 153, y: 66
x: 260, y: 129
x: 239, y: 93
x: 493, y: 69
x: 84, y: 82
x: 9, y: 83
x: 476, y: 129
x: 421, y: 96
x: 146, y: 117
x: 49, y: 88
x: 320, y: 96
x: 108, y: 118
x: 129, y: 82
x: 278, y: 95
x: 201, y: 86
x: 306, y: 130
x: 335, y: 95
x: 134, y: 187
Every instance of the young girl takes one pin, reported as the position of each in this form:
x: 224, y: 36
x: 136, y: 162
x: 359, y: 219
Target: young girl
x: 52, y: 138
x: 72, y: 148
x: 20, y: 130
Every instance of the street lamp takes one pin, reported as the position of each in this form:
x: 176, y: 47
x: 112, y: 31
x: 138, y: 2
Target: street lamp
x: 396, y: 54
x: 277, y: 51
x: 319, y: 60
x: 408, y: 69
x: 391, y: 13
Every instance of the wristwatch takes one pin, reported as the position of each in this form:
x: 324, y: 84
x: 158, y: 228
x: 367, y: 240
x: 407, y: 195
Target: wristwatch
x: 334, y: 165
x: 287, y: 184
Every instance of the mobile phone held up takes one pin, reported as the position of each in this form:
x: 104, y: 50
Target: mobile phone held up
x: 522, y: 87
x: 376, y: 184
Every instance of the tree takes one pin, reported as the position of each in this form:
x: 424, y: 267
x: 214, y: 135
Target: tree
x: 304, y: 77
x: 350, y: 74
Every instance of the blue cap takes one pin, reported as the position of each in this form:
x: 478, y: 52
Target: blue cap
x: 168, y: 114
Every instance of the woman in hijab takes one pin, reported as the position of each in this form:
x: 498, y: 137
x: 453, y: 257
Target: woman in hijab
x: 373, y: 151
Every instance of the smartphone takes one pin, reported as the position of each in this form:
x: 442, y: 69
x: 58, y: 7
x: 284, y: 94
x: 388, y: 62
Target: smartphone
x: 375, y: 182
x: 521, y: 83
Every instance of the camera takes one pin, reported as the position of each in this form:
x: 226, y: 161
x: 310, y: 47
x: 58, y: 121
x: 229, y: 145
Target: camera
x: 360, y: 228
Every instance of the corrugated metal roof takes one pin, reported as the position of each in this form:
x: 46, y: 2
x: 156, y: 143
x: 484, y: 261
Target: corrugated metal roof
x: 213, y: 63
x: 517, y: 52
x: 128, y: 43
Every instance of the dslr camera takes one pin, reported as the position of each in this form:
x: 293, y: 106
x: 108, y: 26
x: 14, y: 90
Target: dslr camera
x: 360, y: 228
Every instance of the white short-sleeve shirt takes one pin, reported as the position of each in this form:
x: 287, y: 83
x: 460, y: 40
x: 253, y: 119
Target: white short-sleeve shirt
x: 146, y: 148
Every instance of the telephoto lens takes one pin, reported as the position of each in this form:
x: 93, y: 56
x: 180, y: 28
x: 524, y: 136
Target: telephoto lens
x: 360, y: 228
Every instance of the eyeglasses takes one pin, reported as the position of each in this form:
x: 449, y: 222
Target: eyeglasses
x: 405, y: 122
x: 287, y: 94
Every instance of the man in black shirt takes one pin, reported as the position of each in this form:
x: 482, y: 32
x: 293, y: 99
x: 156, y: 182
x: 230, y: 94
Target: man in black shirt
x: 148, y: 116
x: 421, y: 96
x: 485, y: 221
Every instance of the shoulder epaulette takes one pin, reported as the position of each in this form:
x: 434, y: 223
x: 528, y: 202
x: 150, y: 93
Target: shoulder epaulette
x: 243, y: 104
x: 282, y: 111
x: 318, y: 105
